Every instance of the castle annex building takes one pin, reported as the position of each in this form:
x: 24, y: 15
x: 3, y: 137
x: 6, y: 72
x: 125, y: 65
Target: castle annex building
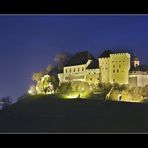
x: 110, y: 67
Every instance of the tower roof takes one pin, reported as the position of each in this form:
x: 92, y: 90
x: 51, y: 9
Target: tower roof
x: 105, y: 54
x: 80, y: 58
x: 135, y: 58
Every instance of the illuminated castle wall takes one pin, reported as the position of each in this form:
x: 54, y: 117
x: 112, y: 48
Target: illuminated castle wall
x: 110, y: 67
x: 114, y: 67
x: 82, y: 67
x: 138, y: 74
x: 138, y: 78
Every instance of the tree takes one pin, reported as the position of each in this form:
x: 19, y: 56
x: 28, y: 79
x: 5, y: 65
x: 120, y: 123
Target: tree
x: 65, y: 87
x: 37, y: 76
x: 6, y: 102
x: 51, y: 69
x: 39, y: 87
x: 61, y: 59
x: 32, y: 90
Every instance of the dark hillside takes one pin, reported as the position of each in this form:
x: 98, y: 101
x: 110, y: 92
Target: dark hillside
x: 49, y: 114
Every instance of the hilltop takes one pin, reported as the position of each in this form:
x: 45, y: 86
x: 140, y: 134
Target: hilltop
x: 48, y: 114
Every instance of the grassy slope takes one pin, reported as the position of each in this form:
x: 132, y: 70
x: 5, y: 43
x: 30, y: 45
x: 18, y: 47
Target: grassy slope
x: 48, y: 114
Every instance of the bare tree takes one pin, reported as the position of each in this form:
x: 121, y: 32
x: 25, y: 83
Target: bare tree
x: 61, y: 59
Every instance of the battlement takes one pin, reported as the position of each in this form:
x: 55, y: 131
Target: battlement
x: 119, y: 54
x: 114, y: 55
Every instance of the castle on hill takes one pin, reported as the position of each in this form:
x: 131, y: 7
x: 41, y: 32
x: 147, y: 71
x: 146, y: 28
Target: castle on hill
x: 110, y: 67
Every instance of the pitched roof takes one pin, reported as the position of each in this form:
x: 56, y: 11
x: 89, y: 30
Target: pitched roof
x: 80, y: 58
x: 105, y: 54
x: 94, y: 64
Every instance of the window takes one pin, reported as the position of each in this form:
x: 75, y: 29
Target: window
x: 74, y: 70
x: 117, y: 70
x: 113, y: 66
x: 119, y: 61
x: 82, y: 68
x: 89, y: 73
x: 113, y: 80
x: 78, y: 69
x: 70, y: 70
x: 106, y: 68
x: 91, y: 79
x: 112, y: 61
x: 98, y: 79
x: 123, y: 61
x: 94, y: 73
x: 65, y: 70
x: 122, y: 70
x: 119, y: 66
x: 113, y: 71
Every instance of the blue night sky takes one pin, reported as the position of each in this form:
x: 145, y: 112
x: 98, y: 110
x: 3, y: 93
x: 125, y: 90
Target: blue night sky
x: 29, y: 43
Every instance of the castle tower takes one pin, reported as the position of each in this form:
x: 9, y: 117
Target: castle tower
x: 119, y: 68
x: 114, y: 67
x: 135, y: 61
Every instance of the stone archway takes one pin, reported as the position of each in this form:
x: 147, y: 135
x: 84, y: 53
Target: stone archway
x: 119, y: 97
